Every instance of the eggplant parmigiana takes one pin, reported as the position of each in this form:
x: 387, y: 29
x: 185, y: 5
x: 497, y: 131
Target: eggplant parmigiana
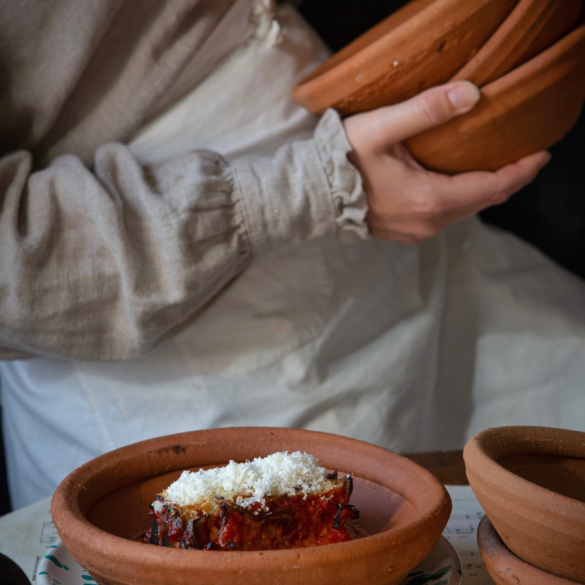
x: 277, y: 502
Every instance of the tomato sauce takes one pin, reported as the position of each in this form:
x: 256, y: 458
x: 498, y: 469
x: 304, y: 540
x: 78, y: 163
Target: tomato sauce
x: 283, y: 522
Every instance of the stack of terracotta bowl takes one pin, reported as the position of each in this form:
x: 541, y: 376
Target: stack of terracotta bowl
x: 527, y: 56
x: 531, y: 483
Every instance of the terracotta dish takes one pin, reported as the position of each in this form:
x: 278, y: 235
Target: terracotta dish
x: 102, y: 507
x: 505, y: 567
x: 532, y: 27
x: 529, y: 109
x: 422, y: 45
x: 531, y: 483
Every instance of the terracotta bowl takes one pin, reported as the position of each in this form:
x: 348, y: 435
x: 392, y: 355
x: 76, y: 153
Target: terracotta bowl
x: 532, y: 27
x: 100, y: 509
x: 422, y: 45
x: 523, y: 55
x: 529, y: 109
x: 531, y: 483
x: 504, y: 566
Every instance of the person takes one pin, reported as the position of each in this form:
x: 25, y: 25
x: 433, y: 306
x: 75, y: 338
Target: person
x: 215, y: 285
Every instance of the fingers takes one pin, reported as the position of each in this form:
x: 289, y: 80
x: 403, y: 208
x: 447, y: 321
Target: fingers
x: 515, y: 176
x: 423, y: 203
x: 433, y: 107
x: 408, y: 203
x: 477, y: 190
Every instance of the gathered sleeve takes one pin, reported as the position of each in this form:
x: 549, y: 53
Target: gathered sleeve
x: 104, y: 264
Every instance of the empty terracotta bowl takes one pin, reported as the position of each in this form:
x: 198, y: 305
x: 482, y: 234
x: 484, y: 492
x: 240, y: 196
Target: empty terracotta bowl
x: 422, y: 45
x: 531, y: 483
x: 529, y: 109
x: 102, y: 507
x: 505, y: 567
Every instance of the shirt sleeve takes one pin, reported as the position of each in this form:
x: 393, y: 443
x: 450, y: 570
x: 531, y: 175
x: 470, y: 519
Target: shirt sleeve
x: 105, y: 264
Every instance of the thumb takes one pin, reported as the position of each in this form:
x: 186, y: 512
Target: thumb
x: 428, y: 109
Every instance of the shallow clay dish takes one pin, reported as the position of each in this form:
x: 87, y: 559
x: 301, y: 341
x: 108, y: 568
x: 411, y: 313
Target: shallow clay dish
x: 532, y: 27
x: 505, y: 567
x: 441, y: 567
x: 529, y: 109
x: 531, y: 483
x: 101, y: 508
x: 422, y: 45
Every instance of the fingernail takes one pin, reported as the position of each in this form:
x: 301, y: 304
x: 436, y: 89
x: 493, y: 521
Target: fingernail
x: 464, y: 95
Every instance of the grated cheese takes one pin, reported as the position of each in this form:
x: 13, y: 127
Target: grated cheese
x: 280, y: 474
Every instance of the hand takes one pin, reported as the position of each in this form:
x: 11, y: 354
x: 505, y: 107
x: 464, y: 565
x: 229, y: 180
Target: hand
x: 408, y: 203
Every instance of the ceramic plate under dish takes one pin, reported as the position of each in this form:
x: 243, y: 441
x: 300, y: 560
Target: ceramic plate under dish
x: 441, y: 567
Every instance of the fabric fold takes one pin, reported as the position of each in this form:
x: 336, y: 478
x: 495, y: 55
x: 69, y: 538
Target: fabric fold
x: 307, y: 190
x: 119, y: 259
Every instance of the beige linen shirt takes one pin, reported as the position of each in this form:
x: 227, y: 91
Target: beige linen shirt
x: 102, y: 258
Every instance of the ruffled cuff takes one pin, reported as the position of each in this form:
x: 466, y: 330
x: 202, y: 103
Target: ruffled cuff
x: 345, y: 182
x: 306, y: 191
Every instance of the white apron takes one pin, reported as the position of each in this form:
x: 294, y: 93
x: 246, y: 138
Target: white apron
x: 412, y: 348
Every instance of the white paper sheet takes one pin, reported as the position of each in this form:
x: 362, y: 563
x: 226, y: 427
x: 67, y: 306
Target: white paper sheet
x: 25, y: 535
x: 461, y: 532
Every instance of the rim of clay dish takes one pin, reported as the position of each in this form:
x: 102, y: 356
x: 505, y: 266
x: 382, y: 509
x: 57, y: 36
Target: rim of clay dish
x: 552, y: 58
x: 379, y: 51
x: 531, y: 28
x: 563, y: 60
x: 373, y: 39
x: 72, y: 500
x: 496, y: 555
x: 484, y: 450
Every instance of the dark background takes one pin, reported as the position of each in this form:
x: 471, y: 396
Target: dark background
x: 550, y: 212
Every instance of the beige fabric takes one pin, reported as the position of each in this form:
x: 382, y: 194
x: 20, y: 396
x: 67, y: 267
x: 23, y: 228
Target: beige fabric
x: 102, y: 258
x: 78, y: 74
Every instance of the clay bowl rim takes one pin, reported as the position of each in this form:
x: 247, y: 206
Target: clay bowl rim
x: 349, y: 53
x: 550, y: 63
x: 333, y: 72
x: 552, y: 57
x: 68, y: 516
x: 509, y: 28
x: 486, y: 530
x: 480, y: 449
